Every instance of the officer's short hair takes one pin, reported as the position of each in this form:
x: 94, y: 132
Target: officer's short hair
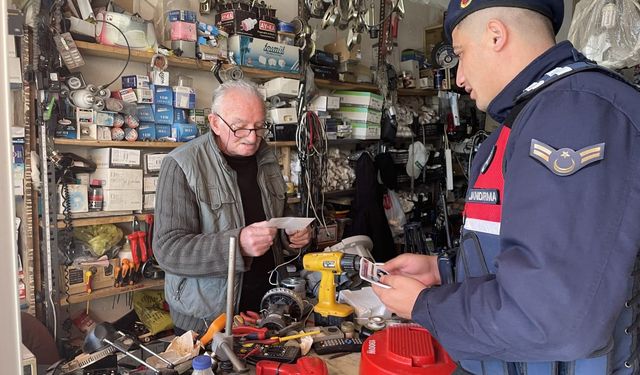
x: 459, y: 9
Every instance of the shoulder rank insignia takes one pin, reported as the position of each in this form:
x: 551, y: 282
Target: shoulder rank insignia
x: 565, y: 161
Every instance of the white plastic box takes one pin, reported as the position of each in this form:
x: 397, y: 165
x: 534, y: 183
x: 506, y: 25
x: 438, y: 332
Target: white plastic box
x: 287, y: 87
x: 362, y: 114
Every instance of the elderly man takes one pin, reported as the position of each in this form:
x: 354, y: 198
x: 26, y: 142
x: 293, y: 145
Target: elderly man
x: 224, y: 184
x: 545, y: 280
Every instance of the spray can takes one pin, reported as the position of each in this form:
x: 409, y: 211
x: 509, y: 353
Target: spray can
x: 96, y: 198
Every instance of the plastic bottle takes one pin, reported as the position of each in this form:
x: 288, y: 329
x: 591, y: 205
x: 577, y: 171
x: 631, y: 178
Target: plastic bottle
x: 202, y: 365
x: 95, y: 195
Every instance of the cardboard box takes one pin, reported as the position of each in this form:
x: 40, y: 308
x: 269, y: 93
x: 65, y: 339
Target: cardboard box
x: 145, y: 113
x: 286, y: 87
x: 163, y: 132
x: 78, y: 197
x: 184, y: 97
x: 153, y: 161
x: 362, y: 114
x: 163, y: 114
x: 339, y: 47
x: 247, y: 22
x: 360, y: 98
x: 264, y: 54
x: 122, y: 200
x: 144, y: 96
x: 118, y: 178
x: 135, y: 82
x: 105, y: 118
x: 365, y: 130
x: 284, y: 115
x: 162, y: 95
x: 150, y: 184
x: 111, y: 157
x: 149, y: 202
x: 147, y: 131
x: 184, y: 132
x: 324, y: 103
x: 180, y: 116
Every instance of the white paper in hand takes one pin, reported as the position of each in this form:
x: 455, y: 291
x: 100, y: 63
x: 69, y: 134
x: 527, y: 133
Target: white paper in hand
x: 290, y: 224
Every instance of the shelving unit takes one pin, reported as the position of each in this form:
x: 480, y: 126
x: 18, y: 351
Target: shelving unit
x: 102, y: 217
x: 144, y: 144
x: 417, y: 92
x: 108, y: 292
x: 121, y: 53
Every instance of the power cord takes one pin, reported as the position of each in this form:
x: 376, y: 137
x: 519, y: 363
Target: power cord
x: 128, y: 53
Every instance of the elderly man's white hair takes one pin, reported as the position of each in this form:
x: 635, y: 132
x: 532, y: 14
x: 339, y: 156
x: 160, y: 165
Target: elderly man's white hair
x: 218, y: 94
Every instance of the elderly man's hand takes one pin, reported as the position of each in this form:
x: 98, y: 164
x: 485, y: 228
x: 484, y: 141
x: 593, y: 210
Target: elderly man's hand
x: 256, y: 239
x: 300, y: 238
x: 402, y: 295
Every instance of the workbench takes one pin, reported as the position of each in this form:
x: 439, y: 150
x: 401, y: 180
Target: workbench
x: 348, y: 364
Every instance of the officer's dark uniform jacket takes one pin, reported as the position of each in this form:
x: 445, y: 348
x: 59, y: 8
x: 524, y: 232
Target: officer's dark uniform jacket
x: 545, y: 280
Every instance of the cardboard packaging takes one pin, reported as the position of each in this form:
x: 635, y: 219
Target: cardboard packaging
x: 264, y: 54
x: 111, y: 157
x: 360, y: 98
x: 122, y: 200
x: 118, y: 178
x: 77, y: 197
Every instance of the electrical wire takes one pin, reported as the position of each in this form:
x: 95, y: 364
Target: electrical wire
x: 128, y: 52
x: 275, y: 270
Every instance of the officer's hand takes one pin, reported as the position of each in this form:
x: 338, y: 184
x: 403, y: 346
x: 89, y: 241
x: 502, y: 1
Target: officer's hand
x: 256, y: 239
x: 423, y: 268
x: 402, y: 295
x: 299, y: 238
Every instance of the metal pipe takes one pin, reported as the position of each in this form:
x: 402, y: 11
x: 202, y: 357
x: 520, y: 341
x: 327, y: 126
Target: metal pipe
x: 125, y: 352
x: 231, y: 279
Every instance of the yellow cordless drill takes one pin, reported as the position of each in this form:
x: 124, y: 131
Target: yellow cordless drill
x: 327, y: 311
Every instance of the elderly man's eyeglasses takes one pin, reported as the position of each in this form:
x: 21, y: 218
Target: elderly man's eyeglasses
x: 240, y: 131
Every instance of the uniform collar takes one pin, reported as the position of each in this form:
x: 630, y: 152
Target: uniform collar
x: 559, y: 55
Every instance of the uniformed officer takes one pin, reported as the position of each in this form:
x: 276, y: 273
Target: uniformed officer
x: 545, y: 280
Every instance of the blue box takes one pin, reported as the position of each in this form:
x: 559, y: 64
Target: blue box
x: 184, y: 132
x: 145, y: 113
x: 135, y: 82
x: 163, y: 114
x: 182, y: 15
x: 162, y: 95
x: 184, y: 97
x: 180, y: 116
x: 147, y: 131
x: 163, y: 131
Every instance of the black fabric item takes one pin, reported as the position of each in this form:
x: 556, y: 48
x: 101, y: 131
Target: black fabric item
x: 255, y: 282
x: 387, y: 169
x: 367, y: 211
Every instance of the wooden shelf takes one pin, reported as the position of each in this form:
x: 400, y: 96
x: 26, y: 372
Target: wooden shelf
x: 143, y: 144
x: 337, y: 85
x: 121, y: 53
x: 102, y: 217
x: 417, y: 92
x: 108, y: 292
x: 91, y: 143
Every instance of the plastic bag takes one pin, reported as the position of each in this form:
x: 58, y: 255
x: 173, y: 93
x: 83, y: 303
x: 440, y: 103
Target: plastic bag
x: 608, y: 31
x: 395, y: 214
x: 148, y: 305
x: 99, y: 238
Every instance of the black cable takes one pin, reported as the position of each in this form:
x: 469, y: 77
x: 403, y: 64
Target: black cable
x: 128, y: 53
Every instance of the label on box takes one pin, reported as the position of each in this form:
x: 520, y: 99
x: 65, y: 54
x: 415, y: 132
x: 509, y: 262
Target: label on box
x: 150, y: 184
x: 147, y: 131
x: 145, y: 113
x: 126, y: 95
x: 264, y: 54
x: 112, y: 157
x: 179, y: 115
x: 184, y: 97
x: 118, y: 178
x: 160, y: 77
x: 152, y: 162
x: 144, y: 96
x: 163, y: 95
x: 77, y: 198
x: 119, y: 200
x: 163, y: 114
x: 149, y: 202
x: 135, y: 82
x: 184, y: 132
x: 163, y: 132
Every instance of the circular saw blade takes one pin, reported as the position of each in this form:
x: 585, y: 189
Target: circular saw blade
x: 443, y: 56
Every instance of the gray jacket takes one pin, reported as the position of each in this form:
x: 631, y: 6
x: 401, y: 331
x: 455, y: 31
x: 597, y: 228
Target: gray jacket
x: 198, y: 208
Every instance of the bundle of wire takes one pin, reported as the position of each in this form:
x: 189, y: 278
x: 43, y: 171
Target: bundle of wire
x: 311, y: 141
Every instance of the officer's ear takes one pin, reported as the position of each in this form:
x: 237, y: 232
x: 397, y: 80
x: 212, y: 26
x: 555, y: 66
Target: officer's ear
x: 497, y: 34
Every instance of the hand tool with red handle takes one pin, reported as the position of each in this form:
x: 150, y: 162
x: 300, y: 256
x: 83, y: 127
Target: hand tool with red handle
x: 304, y: 366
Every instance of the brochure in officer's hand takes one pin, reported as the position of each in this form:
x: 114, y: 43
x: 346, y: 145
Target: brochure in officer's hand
x: 290, y: 224
x: 372, y: 272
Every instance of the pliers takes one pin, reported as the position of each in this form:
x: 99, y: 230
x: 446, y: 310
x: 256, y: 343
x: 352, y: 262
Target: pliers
x: 250, y: 317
